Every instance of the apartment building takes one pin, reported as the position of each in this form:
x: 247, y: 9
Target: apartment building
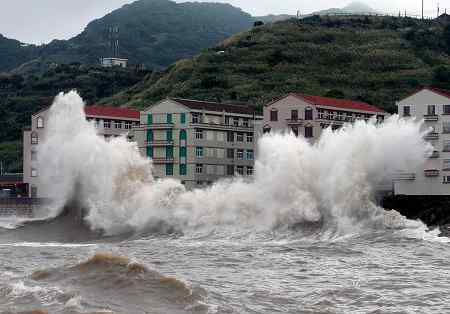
x: 308, y: 116
x: 110, y: 122
x: 431, y: 105
x: 198, y: 142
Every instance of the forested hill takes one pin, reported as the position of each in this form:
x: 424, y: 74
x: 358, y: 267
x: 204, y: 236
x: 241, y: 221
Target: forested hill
x: 152, y: 32
x: 375, y: 59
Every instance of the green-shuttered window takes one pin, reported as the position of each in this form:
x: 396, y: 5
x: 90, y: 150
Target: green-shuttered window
x: 149, y: 151
x: 169, y: 169
x: 183, y: 152
x: 183, y: 170
x: 149, y: 136
x: 183, y: 135
x: 183, y: 118
x: 169, y: 152
x: 169, y: 135
x: 169, y: 118
x: 150, y: 119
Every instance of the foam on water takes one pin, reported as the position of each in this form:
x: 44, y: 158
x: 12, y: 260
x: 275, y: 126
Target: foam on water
x: 331, y: 182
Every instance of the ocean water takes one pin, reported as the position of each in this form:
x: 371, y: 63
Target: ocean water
x: 303, y: 236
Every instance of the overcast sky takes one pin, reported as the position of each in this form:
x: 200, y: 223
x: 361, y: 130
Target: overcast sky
x: 39, y: 21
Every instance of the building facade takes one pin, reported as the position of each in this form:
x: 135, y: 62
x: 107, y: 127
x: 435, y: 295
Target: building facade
x: 113, y: 62
x: 433, y: 107
x: 109, y: 121
x: 308, y: 116
x: 198, y: 142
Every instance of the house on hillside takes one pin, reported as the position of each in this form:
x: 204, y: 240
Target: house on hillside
x: 433, y: 106
x: 198, y: 142
x: 109, y: 121
x: 306, y: 115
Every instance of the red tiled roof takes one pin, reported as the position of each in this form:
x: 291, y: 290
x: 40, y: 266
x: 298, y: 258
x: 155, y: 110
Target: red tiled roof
x: 113, y: 112
x: 214, y: 106
x: 338, y: 103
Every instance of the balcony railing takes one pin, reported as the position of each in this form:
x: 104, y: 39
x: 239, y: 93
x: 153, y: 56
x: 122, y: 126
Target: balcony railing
x: 404, y: 176
x: 163, y: 160
x: 431, y: 117
x: 159, y: 126
x: 294, y: 121
x: 431, y: 172
x: 223, y: 126
x: 432, y: 136
x: 159, y: 143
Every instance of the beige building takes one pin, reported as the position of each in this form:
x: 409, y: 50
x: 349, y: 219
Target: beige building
x: 433, y: 107
x: 308, y: 116
x: 110, y: 122
x: 198, y: 142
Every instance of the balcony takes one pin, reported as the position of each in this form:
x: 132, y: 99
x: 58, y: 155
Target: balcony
x: 159, y: 126
x: 159, y: 143
x: 216, y: 126
x: 404, y: 176
x: 431, y: 172
x: 163, y: 160
x: 432, y: 136
x: 294, y: 121
x: 431, y: 117
x: 435, y: 154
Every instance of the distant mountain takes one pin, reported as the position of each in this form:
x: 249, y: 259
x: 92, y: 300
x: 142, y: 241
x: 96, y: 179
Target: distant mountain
x: 355, y: 7
x: 151, y: 32
x: 274, y: 18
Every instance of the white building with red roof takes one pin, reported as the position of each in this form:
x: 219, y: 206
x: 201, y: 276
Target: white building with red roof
x: 308, y: 116
x: 432, y: 105
x: 109, y: 121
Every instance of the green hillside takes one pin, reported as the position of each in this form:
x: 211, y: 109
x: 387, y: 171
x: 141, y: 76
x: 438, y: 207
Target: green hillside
x: 151, y: 32
x: 375, y: 59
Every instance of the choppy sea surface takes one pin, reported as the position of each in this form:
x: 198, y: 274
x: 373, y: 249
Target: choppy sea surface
x: 60, y: 267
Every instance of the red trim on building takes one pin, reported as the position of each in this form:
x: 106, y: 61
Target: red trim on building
x: 439, y: 91
x: 339, y: 103
x: 113, y: 112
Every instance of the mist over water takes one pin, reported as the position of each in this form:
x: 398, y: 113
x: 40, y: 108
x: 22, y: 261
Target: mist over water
x: 330, y: 183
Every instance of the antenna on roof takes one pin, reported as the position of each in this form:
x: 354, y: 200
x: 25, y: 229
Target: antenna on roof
x: 113, y: 36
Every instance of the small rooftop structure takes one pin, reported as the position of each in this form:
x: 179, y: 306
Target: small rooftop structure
x: 115, y: 112
x: 113, y: 62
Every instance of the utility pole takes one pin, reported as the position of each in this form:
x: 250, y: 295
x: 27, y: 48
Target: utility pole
x: 422, y: 9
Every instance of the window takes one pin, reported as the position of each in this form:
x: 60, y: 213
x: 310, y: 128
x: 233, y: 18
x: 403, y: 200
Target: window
x: 220, y: 153
x: 245, y: 123
x: 183, y: 118
x: 220, y: 136
x: 221, y: 170
x: 169, y: 118
x: 183, y: 170
x: 267, y: 129
x: 199, y: 168
x: 210, y: 152
x: 308, y: 114
x: 340, y: 116
x: 446, y: 165
x: 169, y: 169
x: 210, y: 169
x: 274, y: 115
x: 33, y: 155
x: 169, y: 152
x: 446, y: 127
x: 230, y: 153
x: 309, y: 132
x: 230, y: 136
x: 240, y: 154
x: 446, y: 145
x: 33, y: 191
x: 406, y: 111
x: 97, y: 123
x: 196, y: 117
x: 127, y: 125
x: 294, y: 115
x: 227, y: 120
x: 150, y: 152
x: 446, y: 179
x: 240, y: 170
x: 118, y: 124
x: 34, y: 138
x: 183, y: 152
x: 321, y: 113
x: 240, y: 137
x: 199, y: 152
x: 236, y: 122
x: 169, y: 135
x: 230, y: 170
x: 150, y: 119
x: 446, y: 109
x: 249, y: 137
x: 250, y: 154
x: 210, y: 135
x: 40, y: 123
x: 431, y: 110
x: 295, y: 130
x: 249, y: 171
x: 149, y: 136
x: 199, y: 134
x: 34, y: 172
x: 107, y: 124
x: 183, y: 135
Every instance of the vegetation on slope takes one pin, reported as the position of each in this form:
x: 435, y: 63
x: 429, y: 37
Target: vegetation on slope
x: 151, y: 32
x: 20, y: 97
x: 374, y: 59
